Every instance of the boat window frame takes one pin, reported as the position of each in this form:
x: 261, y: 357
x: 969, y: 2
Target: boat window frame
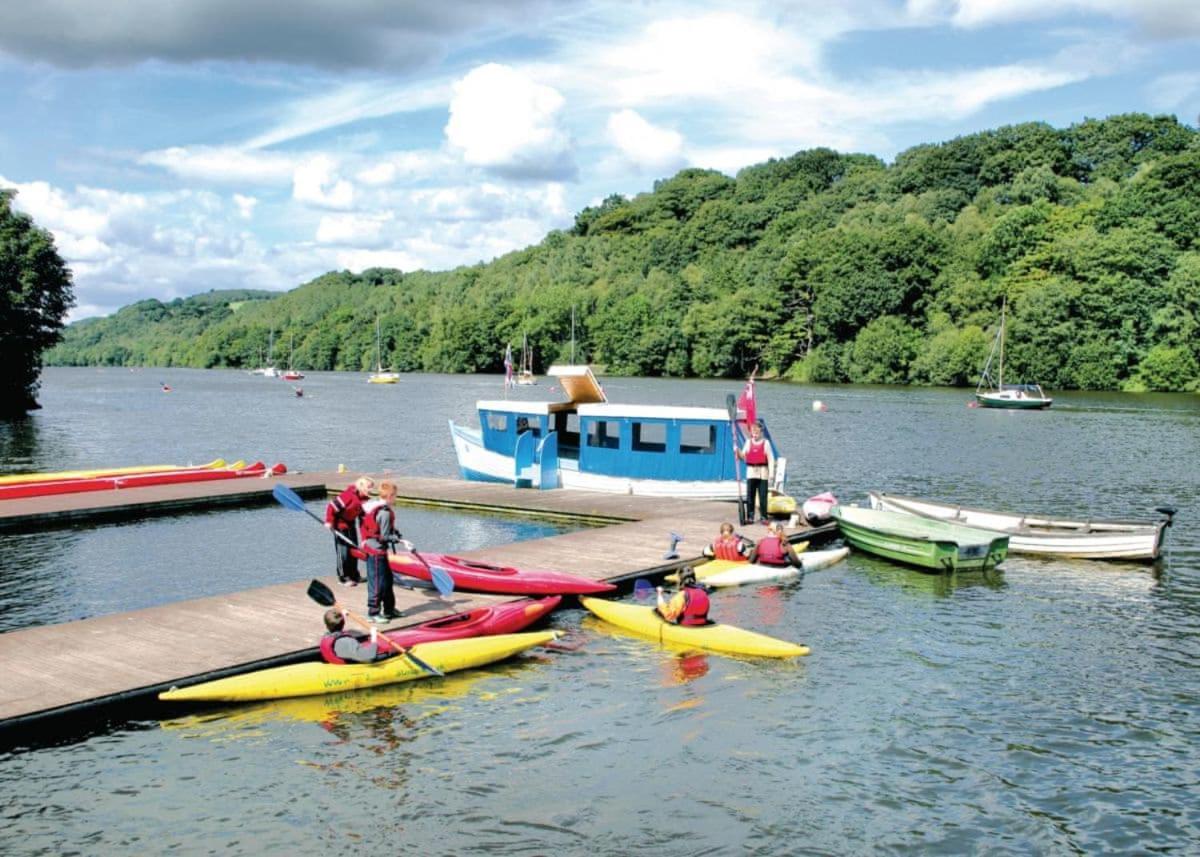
x: 497, y: 421
x: 598, y: 437
x: 686, y: 448
x: 654, y: 447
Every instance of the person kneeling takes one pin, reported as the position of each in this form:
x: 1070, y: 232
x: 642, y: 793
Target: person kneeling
x: 775, y: 549
x: 728, y: 546
x: 688, y: 606
x: 341, y: 647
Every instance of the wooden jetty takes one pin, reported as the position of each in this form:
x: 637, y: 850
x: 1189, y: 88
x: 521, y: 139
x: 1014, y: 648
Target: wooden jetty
x: 130, y: 657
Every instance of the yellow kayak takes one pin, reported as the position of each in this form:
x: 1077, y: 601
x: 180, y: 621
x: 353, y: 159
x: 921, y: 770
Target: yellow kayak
x: 779, y: 503
x: 714, y: 638
x: 21, y: 478
x: 312, y: 679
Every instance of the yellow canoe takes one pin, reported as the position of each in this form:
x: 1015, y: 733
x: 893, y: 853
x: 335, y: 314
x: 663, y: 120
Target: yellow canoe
x: 725, y: 639
x: 21, y: 478
x: 314, y: 678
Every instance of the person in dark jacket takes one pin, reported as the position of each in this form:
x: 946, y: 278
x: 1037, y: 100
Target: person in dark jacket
x: 341, y: 647
x: 378, y: 536
x: 342, y: 514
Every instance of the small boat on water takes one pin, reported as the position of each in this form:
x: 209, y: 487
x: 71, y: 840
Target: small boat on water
x: 716, y: 637
x: 923, y: 542
x: 507, y: 618
x: 313, y: 679
x: 473, y: 576
x: 379, y: 376
x: 1078, y: 538
x: 997, y: 394
x: 721, y: 573
x: 525, y: 376
x: 591, y: 444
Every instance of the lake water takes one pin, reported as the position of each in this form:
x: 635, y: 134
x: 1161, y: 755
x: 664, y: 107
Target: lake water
x: 1053, y: 707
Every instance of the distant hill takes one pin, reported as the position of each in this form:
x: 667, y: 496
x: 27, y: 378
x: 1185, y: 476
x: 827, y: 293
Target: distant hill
x: 821, y: 266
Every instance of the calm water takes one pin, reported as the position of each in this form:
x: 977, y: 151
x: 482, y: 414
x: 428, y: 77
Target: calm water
x: 1052, y: 708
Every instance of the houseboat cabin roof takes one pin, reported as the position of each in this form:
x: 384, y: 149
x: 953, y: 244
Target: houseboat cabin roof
x: 518, y: 407
x: 578, y: 383
x: 653, y: 412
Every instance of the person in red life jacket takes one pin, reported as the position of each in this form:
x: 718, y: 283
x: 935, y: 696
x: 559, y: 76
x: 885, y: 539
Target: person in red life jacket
x: 341, y: 647
x: 689, y: 605
x: 378, y: 535
x: 341, y: 516
x: 775, y: 549
x: 760, y: 469
x: 728, y: 545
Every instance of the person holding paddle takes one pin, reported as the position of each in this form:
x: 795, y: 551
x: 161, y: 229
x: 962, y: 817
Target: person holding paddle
x: 760, y: 469
x: 339, y: 646
x: 689, y: 605
x: 341, y: 516
x: 378, y: 535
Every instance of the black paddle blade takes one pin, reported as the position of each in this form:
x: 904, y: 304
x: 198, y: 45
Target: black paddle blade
x: 288, y: 497
x: 321, y: 594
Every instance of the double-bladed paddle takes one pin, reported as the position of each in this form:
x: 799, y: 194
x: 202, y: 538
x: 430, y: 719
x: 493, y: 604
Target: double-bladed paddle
x: 288, y: 498
x: 324, y: 596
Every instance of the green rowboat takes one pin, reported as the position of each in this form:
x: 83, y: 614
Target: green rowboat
x: 925, y: 543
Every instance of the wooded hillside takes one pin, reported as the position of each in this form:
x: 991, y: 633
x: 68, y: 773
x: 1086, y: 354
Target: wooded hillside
x: 822, y: 267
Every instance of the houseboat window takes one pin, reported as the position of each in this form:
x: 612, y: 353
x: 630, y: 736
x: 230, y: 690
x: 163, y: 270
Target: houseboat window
x: 605, y: 434
x: 567, y: 426
x: 649, y: 437
x: 497, y: 422
x: 697, y: 439
x: 534, y: 428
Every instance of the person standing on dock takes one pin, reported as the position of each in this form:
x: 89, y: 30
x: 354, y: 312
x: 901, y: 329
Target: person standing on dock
x: 378, y: 533
x: 342, y: 514
x: 760, y: 469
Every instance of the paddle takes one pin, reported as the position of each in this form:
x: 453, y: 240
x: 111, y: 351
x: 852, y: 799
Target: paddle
x: 731, y: 406
x: 442, y: 580
x: 324, y: 596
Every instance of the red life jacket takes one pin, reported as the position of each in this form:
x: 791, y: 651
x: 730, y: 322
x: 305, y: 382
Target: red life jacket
x: 327, y: 644
x: 756, y: 453
x: 728, y: 549
x: 771, y: 551
x: 369, y: 529
x: 344, y: 509
x: 695, y: 608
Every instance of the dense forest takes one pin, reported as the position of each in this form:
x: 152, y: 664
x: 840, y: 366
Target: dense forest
x: 817, y: 267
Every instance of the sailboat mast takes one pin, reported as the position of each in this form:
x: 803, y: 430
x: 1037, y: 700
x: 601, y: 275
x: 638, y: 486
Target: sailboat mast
x: 1003, y: 309
x: 572, y: 335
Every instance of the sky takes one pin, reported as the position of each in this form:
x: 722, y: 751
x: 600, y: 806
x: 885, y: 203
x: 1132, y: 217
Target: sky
x: 177, y: 147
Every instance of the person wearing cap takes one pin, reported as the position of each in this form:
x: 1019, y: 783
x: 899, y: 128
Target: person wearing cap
x: 689, y: 605
x: 338, y: 646
x: 775, y: 549
x: 342, y: 515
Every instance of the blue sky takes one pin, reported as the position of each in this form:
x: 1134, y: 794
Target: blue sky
x: 177, y: 147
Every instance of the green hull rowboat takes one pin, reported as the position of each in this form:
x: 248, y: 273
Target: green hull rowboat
x: 925, y: 543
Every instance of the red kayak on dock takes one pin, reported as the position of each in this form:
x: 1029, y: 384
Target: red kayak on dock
x: 482, y: 621
x: 474, y: 576
x: 135, y: 480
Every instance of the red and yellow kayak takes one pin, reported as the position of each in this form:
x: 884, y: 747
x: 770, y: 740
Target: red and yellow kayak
x: 473, y: 576
x: 62, y: 475
x: 138, y: 480
x: 492, y: 619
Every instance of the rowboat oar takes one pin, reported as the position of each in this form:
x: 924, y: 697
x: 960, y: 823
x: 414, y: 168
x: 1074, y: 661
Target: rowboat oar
x: 442, y: 580
x: 324, y: 596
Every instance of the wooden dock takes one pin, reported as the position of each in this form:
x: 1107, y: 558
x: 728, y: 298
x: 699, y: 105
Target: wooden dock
x: 130, y: 657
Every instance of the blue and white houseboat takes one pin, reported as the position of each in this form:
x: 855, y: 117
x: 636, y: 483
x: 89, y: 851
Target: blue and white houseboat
x: 591, y: 444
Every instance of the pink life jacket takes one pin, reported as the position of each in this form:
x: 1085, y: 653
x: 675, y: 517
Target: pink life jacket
x: 728, y: 549
x: 756, y: 454
x: 771, y: 551
x: 695, y: 608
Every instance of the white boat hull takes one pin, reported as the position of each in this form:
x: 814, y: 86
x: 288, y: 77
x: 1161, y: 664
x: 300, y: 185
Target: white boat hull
x: 1060, y: 537
x: 740, y: 574
x: 480, y: 464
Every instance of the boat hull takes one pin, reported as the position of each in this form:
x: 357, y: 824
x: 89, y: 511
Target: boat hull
x: 997, y: 400
x: 723, y: 573
x: 64, y: 475
x: 924, y: 543
x: 725, y: 639
x: 312, y: 679
x: 135, y: 480
x: 474, y: 576
x: 494, y: 619
x: 1045, y: 536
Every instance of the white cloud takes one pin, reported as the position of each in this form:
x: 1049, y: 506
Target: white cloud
x: 502, y: 120
x: 361, y: 230
x: 316, y: 182
x: 223, y: 164
x: 1173, y: 91
x: 1163, y: 19
x: 360, y: 260
x: 245, y: 205
x: 645, y: 145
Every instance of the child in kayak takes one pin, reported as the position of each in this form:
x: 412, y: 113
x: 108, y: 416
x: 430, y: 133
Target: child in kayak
x: 689, y: 605
x: 775, y: 549
x: 728, y: 545
x: 341, y: 647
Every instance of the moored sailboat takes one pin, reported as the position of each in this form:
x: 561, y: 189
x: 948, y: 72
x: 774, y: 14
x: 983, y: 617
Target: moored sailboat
x: 379, y: 376
x: 997, y: 394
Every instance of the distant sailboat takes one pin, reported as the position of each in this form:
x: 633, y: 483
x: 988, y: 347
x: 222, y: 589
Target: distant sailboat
x: 525, y: 377
x: 292, y: 374
x: 997, y: 394
x: 269, y: 370
x: 379, y: 376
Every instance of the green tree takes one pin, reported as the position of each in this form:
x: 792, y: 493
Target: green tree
x: 35, y: 294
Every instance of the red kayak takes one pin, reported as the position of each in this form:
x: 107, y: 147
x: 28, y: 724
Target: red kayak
x: 475, y: 576
x: 495, y: 619
x: 135, y: 480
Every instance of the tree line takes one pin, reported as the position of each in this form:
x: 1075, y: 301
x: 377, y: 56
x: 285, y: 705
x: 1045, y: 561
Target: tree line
x: 821, y: 266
